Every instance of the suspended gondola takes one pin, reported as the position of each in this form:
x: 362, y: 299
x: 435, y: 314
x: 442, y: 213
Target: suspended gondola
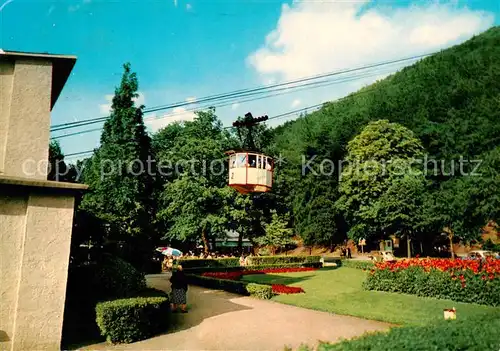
x: 250, y: 171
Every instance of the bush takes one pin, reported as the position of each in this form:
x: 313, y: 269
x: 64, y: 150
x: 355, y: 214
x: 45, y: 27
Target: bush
x: 475, y: 334
x: 279, y: 260
x: 109, y: 278
x: 260, y: 291
x: 442, y: 279
x: 366, y: 265
x: 233, y: 286
x: 133, y: 319
x: 209, y: 263
x: 112, y: 278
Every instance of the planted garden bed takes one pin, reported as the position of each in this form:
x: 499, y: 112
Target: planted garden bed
x: 472, y: 281
x: 230, y: 281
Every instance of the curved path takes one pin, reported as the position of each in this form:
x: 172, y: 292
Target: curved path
x: 218, y: 320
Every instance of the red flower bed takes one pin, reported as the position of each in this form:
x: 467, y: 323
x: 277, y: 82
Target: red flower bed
x: 472, y: 281
x: 277, y: 288
x: 283, y: 289
x: 489, y: 266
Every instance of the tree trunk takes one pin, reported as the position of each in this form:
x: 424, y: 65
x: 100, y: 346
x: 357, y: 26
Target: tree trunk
x: 449, y: 231
x: 408, y: 245
x: 451, y: 244
x: 421, y: 248
x: 205, y: 241
x: 240, y: 243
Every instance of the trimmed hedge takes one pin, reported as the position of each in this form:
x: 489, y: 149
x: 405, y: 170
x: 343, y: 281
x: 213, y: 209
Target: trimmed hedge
x: 260, y: 291
x: 133, y: 319
x: 233, y: 286
x: 466, y: 287
x: 279, y: 260
x: 365, y: 265
x: 474, y: 334
x: 209, y: 263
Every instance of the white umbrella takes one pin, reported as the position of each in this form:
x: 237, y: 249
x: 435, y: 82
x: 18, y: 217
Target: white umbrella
x: 170, y: 251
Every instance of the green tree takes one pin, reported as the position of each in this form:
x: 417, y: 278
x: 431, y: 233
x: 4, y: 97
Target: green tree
x: 277, y: 233
x: 192, y: 203
x: 378, y: 159
x: 120, y: 184
x: 452, y: 208
x: 58, y: 170
x: 192, y: 209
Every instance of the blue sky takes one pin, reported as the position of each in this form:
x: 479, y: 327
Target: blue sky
x: 184, y: 49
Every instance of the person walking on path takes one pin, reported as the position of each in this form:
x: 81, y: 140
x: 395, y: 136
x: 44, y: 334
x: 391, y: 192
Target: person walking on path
x: 179, y: 289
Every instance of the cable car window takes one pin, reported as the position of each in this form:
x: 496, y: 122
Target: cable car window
x: 242, y: 161
x: 252, y: 161
x: 232, y: 161
x: 269, y: 165
x: 260, y: 162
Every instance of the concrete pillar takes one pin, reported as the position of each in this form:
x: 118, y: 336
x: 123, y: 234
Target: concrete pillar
x: 36, y: 215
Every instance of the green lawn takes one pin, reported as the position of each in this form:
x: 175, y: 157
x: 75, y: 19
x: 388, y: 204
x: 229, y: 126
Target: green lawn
x: 339, y: 291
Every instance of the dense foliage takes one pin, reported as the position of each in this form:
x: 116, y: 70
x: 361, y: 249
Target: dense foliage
x: 133, y: 319
x: 109, y: 278
x: 448, y: 101
x: 471, y: 281
x: 260, y: 260
x: 120, y: 189
x: 475, y: 334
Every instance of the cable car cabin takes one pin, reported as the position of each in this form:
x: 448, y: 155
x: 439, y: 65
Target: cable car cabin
x: 250, y: 172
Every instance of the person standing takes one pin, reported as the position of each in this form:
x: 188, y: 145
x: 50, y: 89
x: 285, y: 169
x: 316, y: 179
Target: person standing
x: 179, y: 287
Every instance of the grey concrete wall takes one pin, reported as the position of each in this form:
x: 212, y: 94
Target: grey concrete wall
x: 34, y: 251
x: 25, y: 91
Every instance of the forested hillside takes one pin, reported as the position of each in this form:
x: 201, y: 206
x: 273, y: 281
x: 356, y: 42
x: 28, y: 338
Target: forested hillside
x: 450, y: 101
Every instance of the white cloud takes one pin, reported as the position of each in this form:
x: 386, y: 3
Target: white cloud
x: 105, y: 109
x: 191, y: 99
x: 314, y: 37
x: 296, y: 102
x: 235, y: 106
x: 177, y: 114
x: 140, y: 100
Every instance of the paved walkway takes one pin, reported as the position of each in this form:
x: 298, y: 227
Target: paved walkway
x: 221, y: 321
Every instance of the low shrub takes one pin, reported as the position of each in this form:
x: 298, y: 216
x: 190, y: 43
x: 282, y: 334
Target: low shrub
x: 115, y: 278
x: 266, y: 260
x: 260, y: 291
x: 474, y: 334
x: 365, y: 265
x: 233, y: 286
x: 132, y: 319
x: 471, y: 282
x: 209, y: 263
